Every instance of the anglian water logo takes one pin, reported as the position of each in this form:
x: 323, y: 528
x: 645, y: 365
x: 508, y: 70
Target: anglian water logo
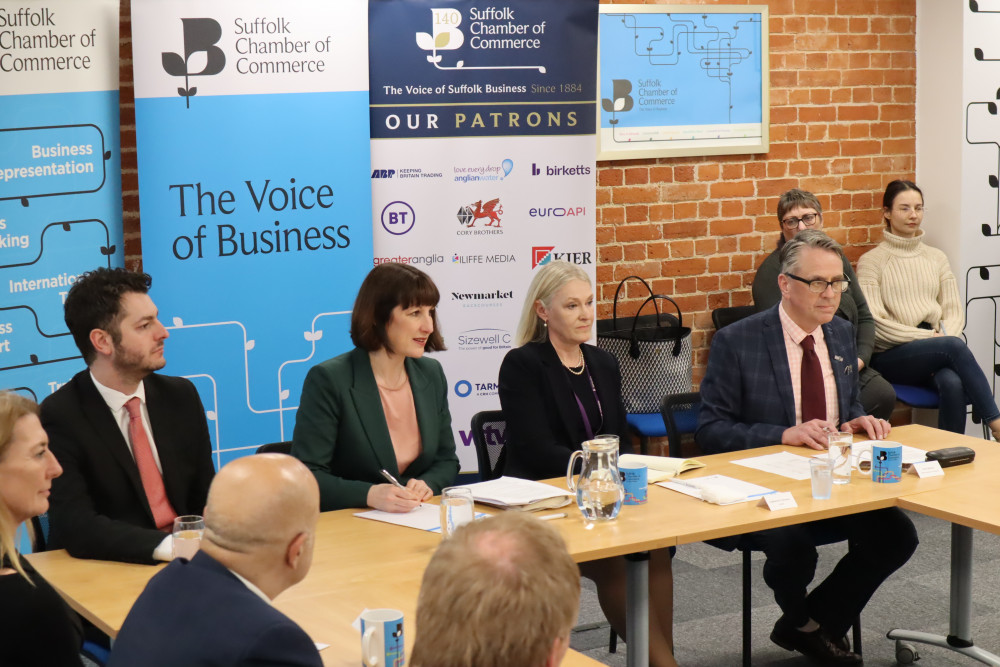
x: 200, y: 36
x: 491, y: 28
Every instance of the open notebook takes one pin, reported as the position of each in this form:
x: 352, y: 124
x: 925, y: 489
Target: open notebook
x: 514, y: 493
x: 662, y: 467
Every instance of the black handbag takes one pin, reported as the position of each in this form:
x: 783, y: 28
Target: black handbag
x: 653, y: 351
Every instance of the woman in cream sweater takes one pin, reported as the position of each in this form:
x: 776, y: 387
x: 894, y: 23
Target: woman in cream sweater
x: 913, y: 296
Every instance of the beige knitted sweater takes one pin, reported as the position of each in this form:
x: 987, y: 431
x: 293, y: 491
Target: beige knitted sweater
x: 905, y: 283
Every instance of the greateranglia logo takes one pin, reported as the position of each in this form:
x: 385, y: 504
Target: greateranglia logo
x: 485, y: 339
x: 424, y: 260
x: 541, y: 255
x: 200, y: 36
x: 560, y: 170
x: 398, y: 218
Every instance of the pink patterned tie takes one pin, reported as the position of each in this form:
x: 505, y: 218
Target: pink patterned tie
x: 152, y: 480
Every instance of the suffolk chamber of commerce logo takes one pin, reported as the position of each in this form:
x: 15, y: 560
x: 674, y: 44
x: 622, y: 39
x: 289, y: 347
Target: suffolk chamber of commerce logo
x: 491, y: 28
x: 398, y: 218
x: 620, y: 102
x: 489, y: 211
x: 200, y: 36
x: 541, y: 255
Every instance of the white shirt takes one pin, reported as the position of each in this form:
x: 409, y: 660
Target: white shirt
x: 793, y: 348
x: 249, y: 584
x: 115, y: 401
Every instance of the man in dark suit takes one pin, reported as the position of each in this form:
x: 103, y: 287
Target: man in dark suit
x: 133, y: 444
x: 260, y: 526
x: 789, y: 375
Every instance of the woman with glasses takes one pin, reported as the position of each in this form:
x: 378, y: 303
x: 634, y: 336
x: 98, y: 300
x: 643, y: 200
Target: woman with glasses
x: 918, y: 314
x: 798, y: 210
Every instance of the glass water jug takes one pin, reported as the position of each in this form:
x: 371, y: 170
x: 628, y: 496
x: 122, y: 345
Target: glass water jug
x: 599, y: 489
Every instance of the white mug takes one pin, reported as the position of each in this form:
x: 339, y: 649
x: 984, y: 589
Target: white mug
x: 382, y: 638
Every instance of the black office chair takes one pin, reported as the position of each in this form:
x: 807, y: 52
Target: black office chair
x: 276, y: 448
x: 722, y: 317
x: 680, y: 415
x: 488, y: 436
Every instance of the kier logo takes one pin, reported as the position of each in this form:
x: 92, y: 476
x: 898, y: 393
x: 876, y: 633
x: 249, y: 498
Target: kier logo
x: 541, y: 255
x: 492, y: 210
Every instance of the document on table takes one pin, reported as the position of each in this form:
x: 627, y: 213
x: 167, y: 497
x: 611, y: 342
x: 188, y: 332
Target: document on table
x: 718, y: 486
x: 910, y: 454
x: 785, y: 464
x: 424, y: 517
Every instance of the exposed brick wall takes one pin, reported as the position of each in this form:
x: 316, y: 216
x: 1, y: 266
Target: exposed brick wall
x: 843, y: 88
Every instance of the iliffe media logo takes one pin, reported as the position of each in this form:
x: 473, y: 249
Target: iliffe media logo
x: 620, y: 102
x: 200, y: 36
x: 398, y: 218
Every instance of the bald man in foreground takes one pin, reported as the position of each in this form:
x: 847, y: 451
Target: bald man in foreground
x: 501, y: 592
x: 260, y: 524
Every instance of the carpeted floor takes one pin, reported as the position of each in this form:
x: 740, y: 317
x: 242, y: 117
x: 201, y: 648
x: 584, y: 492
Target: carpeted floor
x: 707, y: 606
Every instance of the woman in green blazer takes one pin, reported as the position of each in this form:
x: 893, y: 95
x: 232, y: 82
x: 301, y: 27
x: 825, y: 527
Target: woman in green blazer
x: 381, y: 406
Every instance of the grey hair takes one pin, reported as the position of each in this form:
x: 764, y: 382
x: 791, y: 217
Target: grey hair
x: 549, y: 279
x: 807, y: 238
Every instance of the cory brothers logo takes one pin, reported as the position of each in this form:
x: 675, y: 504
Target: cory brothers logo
x: 541, y: 255
x: 492, y: 210
x: 491, y: 28
x: 200, y: 36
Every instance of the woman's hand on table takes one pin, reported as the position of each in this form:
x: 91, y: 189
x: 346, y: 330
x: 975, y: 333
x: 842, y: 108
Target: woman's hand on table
x: 420, y: 489
x: 389, y: 498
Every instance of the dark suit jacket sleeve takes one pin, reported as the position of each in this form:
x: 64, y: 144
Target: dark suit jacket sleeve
x: 724, y: 423
x: 443, y: 467
x: 284, y: 645
x: 318, y: 435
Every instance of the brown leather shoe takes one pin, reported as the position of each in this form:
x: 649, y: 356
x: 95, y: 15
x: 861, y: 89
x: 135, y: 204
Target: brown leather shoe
x: 813, y: 645
x: 842, y: 642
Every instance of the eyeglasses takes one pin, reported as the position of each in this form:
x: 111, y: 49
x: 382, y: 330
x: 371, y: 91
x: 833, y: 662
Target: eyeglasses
x: 905, y: 210
x: 819, y: 286
x: 809, y: 219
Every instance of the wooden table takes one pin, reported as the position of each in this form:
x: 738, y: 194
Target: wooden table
x: 359, y: 563
x: 973, y: 505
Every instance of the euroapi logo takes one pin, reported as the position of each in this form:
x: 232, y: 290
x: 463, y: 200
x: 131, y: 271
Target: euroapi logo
x: 489, y: 211
x: 491, y: 27
x: 541, y: 255
x: 465, y: 388
x: 398, y: 218
x: 620, y: 102
x: 485, y: 339
x: 200, y: 36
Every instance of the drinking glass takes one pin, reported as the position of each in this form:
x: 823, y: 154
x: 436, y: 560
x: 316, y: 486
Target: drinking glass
x: 840, y: 456
x: 457, y: 509
x: 821, y: 473
x: 188, y: 530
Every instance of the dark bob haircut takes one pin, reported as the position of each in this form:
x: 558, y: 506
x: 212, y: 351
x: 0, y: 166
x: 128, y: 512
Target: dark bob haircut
x: 385, y: 287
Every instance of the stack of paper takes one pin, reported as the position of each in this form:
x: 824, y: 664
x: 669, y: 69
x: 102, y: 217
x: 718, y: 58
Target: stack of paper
x: 513, y: 493
x: 660, y: 468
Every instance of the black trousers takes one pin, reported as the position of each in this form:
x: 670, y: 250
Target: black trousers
x: 881, y: 541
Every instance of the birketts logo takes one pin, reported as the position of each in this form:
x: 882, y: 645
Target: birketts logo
x: 490, y: 211
x: 200, y: 36
x: 485, y: 339
x: 541, y: 255
x: 466, y: 388
x: 560, y: 170
x: 383, y: 173
x: 398, y: 218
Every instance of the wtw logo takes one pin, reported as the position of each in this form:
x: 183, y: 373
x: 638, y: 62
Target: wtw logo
x: 200, y: 36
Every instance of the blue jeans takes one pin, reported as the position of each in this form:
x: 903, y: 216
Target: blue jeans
x: 945, y: 364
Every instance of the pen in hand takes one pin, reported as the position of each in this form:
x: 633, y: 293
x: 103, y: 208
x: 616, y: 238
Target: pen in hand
x: 392, y: 480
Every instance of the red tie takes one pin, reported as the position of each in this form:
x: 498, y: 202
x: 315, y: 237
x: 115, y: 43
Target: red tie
x: 813, y: 392
x: 152, y: 480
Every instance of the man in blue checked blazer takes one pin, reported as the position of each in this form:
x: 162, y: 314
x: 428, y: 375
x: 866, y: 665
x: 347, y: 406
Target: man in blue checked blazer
x: 757, y: 391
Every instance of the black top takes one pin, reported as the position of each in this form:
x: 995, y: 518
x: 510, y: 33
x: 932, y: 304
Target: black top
x: 544, y: 425
x: 36, y: 626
